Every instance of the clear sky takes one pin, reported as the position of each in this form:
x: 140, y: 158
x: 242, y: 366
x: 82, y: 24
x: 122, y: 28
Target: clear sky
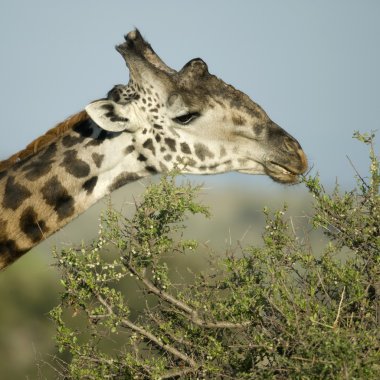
x: 312, y: 65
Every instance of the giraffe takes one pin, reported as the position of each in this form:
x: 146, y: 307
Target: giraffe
x: 162, y: 118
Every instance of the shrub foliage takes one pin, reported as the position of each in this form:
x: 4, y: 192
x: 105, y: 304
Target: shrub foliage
x: 278, y: 311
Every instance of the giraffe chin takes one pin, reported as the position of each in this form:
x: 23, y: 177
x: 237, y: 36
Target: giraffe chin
x: 276, y: 172
x: 281, y: 174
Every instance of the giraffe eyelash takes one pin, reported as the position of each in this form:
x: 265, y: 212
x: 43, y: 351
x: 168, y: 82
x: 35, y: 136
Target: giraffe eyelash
x: 187, y: 118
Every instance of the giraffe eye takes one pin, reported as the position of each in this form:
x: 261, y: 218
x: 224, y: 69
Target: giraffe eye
x: 187, y: 118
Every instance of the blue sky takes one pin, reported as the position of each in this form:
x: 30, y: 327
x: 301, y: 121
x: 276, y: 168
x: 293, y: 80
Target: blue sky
x: 312, y: 65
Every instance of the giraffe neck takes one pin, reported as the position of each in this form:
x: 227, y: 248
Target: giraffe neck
x: 42, y: 193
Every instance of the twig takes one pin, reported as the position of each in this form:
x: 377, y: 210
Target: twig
x: 158, y: 342
x: 245, y: 233
x: 214, y: 325
x: 177, y: 373
x: 312, y: 360
x: 357, y: 173
x: 335, y: 324
x: 323, y: 287
x: 127, y: 323
x: 293, y: 229
x: 190, y: 313
x: 158, y: 321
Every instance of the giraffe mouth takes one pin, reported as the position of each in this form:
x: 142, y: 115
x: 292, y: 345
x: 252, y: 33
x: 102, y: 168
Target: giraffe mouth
x: 277, y: 172
x: 281, y: 173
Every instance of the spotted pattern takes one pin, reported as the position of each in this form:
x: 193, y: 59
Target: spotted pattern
x: 112, y: 115
x: 185, y: 148
x: 41, y: 165
x: 9, y: 252
x: 202, y: 152
x: 15, y: 194
x: 163, y: 167
x: 71, y: 140
x: 129, y: 149
x: 122, y: 94
x: 122, y: 179
x: 141, y: 157
x: 33, y: 228
x: 98, y: 140
x: 171, y: 144
x: 90, y: 184
x: 98, y: 159
x: 148, y: 144
x: 75, y: 166
x: 57, y: 196
x: 151, y: 169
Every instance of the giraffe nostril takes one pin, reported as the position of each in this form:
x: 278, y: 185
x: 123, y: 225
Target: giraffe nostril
x: 291, y: 144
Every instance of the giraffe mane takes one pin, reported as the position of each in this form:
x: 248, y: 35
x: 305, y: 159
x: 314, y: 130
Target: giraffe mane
x: 42, y: 141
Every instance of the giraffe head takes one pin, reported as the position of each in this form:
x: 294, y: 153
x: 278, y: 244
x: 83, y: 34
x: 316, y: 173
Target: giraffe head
x: 192, y: 118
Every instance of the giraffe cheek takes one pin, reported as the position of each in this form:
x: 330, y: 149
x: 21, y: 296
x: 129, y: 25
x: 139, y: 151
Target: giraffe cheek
x: 202, y: 151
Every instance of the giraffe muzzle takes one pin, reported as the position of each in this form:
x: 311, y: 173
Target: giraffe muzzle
x: 288, y: 171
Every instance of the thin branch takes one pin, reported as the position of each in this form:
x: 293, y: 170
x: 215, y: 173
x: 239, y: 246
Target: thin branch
x: 335, y: 324
x: 191, y: 313
x: 177, y: 373
x: 163, y: 295
x: 357, y: 173
x: 127, y: 323
x: 312, y: 360
x: 291, y: 300
x: 159, y: 343
x: 213, y: 325
x: 158, y: 321
x: 323, y: 287
x: 245, y: 233
x: 362, y: 245
x: 292, y: 225
x: 99, y: 316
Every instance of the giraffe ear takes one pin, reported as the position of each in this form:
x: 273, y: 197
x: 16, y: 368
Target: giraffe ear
x: 110, y: 116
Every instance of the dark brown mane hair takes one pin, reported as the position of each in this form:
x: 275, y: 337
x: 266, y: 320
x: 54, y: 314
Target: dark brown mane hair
x: 41, y: 142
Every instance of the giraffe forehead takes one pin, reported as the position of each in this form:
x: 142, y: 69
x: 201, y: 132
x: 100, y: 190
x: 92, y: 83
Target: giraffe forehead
x: 209, y: 90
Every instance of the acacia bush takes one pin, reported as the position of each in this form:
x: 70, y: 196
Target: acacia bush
x: 278, y: 311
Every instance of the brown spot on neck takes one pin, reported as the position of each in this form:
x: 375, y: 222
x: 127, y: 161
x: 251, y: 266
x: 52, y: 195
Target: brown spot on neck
x: 32, y: 227
x: 15, y: 194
